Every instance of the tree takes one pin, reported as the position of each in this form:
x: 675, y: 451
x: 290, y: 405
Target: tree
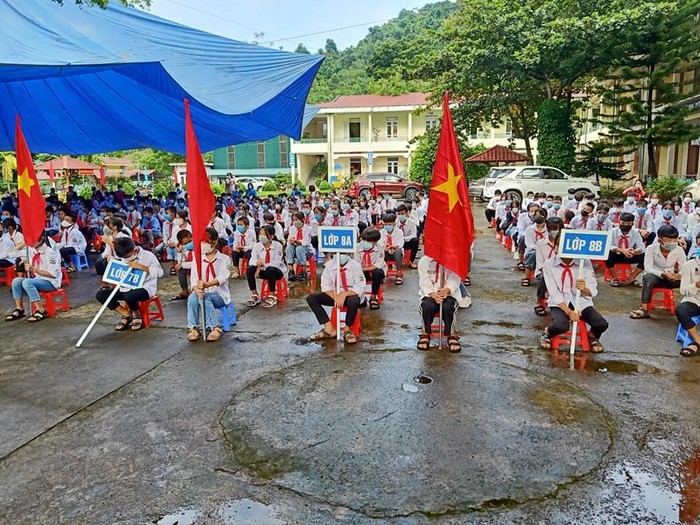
x: 301, y: 48
x: 650, y: 109
x: 156, y: 160
x: 556, y: 146
x: 592, y: 162
x: 8, y: 166
x: 331, y: 47
x: 104, y: 3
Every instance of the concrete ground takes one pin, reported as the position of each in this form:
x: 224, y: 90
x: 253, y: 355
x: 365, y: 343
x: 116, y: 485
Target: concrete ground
x: 268, y: 428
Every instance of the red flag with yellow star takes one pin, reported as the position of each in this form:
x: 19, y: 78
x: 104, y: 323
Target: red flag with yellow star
x: 31, y: 201
x: 449, y: 225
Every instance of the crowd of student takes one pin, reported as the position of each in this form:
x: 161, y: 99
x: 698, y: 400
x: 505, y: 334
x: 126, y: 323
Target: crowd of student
x: 248, y: 236
x: 659, y: 241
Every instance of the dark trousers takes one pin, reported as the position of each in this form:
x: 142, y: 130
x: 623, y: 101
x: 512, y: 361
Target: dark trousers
x: 412, y: 247
x: 685, y: 312
x: 652, y: 281
x: 376, y: 277
x: 541, y: 287
x: 429, y: 308
x: 490, y: 214
x: 318, y: 300
x: 238, y: 257
x: 618, y: 258
x: 182, y: 275
x: 560, y: 321
x: 650, y: 239
x: 101, y: 265
x: 132, y: 298
x: 66, y: 253
x: 272, y: 275
x: 4, y: 263
x: 314, y: 242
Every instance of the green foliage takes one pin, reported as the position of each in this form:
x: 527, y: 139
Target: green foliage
x: 610, y: 191
x: 155, y: 160
x: 283, y: 180
x: 556, y: 140
x: 164, y: 186
x: 85, y: 192
x: 324, y: 186
x: 301, y: 48
x: 592, y: 161
x: 270, y: 186
x: 218, y: 188
x: 320, y: 171
x: 667, y: 187
x: 8, y: 166
x: 124, y: 182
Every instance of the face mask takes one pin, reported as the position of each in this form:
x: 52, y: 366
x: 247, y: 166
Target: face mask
x: 402, y: 218
x: 65, y: 224
x: 345, y: 207
x: 103, y: 214
x: 557, y: 206
x: 179, y: 221
x: 515, y: 211
x: 508, y: 203
x: 584, y: 214
x: 366, y: 245
x: 372, y: 203
x: 335, y: 212
x: 326, y: 204
x: 625, y: 228
x: 189, y: 246
x: 669, y: 246
x: 132, y: 208
x: 630, y: 199
x: 386, y: 197
x: 318, y: 217
x: 389, y: 228
x: 264, y: 239
x: 240, y: 228
x: 667, y: 214
x: 265, y: 207
x: 602, y: 217
x: 5, y: 217
x: 344, y: 259
x: 554, y: 234
x: 298, y: 224
x: 539, y: 220
x: 168, y: 216
x: 306, y: 211
x: 687, y: 200
x: 641, y: 211
x: 654, y: 202
x: 206, y: 247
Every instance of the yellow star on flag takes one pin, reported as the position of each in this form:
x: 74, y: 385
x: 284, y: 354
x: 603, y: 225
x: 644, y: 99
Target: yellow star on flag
x: 25, y: 182
x: 450, y: 187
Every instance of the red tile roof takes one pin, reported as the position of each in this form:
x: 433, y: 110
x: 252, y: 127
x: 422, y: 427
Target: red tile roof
x: 66, y: 163
x: 117, y: 161
x: 499, y: 154
x: 363, y: 101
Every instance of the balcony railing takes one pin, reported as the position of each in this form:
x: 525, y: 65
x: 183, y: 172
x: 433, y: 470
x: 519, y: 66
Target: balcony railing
x: 309, y: 140
x: 374, y: 139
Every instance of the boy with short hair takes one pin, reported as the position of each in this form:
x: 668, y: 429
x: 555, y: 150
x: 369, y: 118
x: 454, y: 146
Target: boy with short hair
x: 370, y: 255
x: 410, y: 232
x: 601, y: 221
x: 184, y: 263
x: 243, y: 241
x: 533, y: 235
x: 627, y: 248
x: 392, y: 241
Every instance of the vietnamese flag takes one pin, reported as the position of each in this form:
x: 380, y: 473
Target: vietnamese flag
x: 52, y: 174
x: 449, y: 224
x: 103, y: 178
x: 31, y: 201
x: 201, y: 198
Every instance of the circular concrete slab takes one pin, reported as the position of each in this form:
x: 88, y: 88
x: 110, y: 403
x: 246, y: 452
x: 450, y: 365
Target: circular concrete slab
x: 361, y: 431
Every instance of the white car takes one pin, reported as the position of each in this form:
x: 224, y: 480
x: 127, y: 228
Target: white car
x: 258, y: 183
x: 518, y: 181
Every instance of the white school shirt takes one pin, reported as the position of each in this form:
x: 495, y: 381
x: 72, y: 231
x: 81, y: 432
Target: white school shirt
x: 643, y: 222
x: 578, y: 223
x: 281, y: 216
x: 375, y: 209
x: 133, y: 219
x: 493, y: 202
x: 544, y: 250
x: 217, y: 269
x: 246, y: 239
x: 49, y: 260
x: 276, y: 255
x: 220, y: 226
x: 352, y: 218
x: 634, y: 239
x: 673, y: 221
x: 373, y: 257
x: 72, y: 238
x: 428, y: 278
x: 155, y: 270
x: 305, y: 234
x: 354, y: 277
x: 694, y: 219
x: 397, y: 238
x: 561, y: 286
x: 595, y: 225
x: 334, y: 220
x: 17, y: 239
x: 279, y: 231
x: 629, y: 207
x: 363, y: 215
x: 654, y: 211
x: 6, y: 247
x: 409, y: 229
x: 655, y: 263
x: 524, y: 222
x: 690, y: 274
x: 533, y: 236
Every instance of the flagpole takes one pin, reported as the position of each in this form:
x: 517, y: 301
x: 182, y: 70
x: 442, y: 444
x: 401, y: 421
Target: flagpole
x: 102, y: 309
x: 442, y: 285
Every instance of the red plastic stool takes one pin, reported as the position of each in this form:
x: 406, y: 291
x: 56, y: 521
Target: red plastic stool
x: 500, y: 236
x: 368, y: 292
x: 148, y: 314
x: 7, y: 275
x: 356, y: 326
x: 435, y: 327
x: 406, y: 258
x: 244, y: 266
x: 624, y: 270
x: 56, y: 301
x: 226, y: 250
x: 391, y: 270
x: 65, y: 280
x: 565, y: 339
x: 311, y: 263
x: 666, y: 302
x: 599, y: 266
x: 281, y: 289
x: 508, y: 244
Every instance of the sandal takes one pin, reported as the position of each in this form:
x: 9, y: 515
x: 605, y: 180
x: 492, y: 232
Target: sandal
x: 37, y: 316
x: 322, y: 334
x: 399, y: 280
x: 215, y: 334
x: 453, y: 344
x: 253, y: 301
x: 269, y: 301
x: 640, y: 313
x: 635, y: 283
x: 596, y: 346
x: 180, y: 297
x: 16, y: 314
x: 525, y: 282
x: 521, y: 266
x: 467, y: 282
x: 540, y: 310
x: 173, y: 271
x: 123, y: 324
x: 423, y: 342
x: 373, y: 303
x: 194, y: 334
x: 136, y: 323
x: 691, y: 350
x: 349, y: 338
x: 546, y: 341
x: 615, y: 283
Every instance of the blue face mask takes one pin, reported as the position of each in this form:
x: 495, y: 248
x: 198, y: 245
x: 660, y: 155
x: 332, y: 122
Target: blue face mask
x: 366, y: 246
x: 265, y: 207
x: 326, y: 204
x: 641, y: 211
x: 389, y: 228
x: 240, y: 228
x: 697, y: 252
x: 508, y: 203
x: 189, y: 246
x: 667, y: 214
x: 557, y: 206
x: 344, y: 259
x: 168, y: 216
x: 318, y: 217
x: 335, y: 212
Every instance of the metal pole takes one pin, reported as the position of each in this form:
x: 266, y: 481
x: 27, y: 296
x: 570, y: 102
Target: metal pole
x: 574, y: 328
x: 201, y: 309
x: 101, y: 310
x: 441, y: 277
x: 338, y: 336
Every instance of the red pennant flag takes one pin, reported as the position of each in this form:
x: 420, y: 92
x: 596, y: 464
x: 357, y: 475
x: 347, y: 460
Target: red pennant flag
x: 449, y: 225
x: 31, y: 201
x: 103, y: 178
x: 51, y: 173
x: 201, y: 198
x: 175, y: 175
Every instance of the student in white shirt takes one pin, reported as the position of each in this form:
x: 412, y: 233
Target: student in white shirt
x: 438, y: 286
x: 630, y: 204
x: 127, y: 252
x: 409, y: 228
x: 298, y: 247
x: 370, y: 255
x: 266, y: 262
x: 689, y: 306
x: 72, y: 241
x: 627, y: 247
x: 351, y: 290
x: 663, y: 261
x: 491, y: 207
x: 243, y: 241
x: 545, y: 249
x: 533, y: 234
x: 269, y: 219
x: 184, y: 264
x: 392, y: 241
x: 44, y: 268
x: 580, y: 221
x: 211, y: 288
x: 601, y: 221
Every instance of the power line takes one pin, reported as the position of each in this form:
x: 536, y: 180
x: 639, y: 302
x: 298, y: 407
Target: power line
x: 322, y: 32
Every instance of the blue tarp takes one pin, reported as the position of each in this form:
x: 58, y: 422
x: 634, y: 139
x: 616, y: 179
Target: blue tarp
x: 91, y: 80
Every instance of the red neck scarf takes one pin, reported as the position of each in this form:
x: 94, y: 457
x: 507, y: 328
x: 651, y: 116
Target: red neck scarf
x: 566, y: 273
x: 267, y: 255
x: 367, y: 258
x: 343, y: 279
x: 624, y: 242
x: 210, y: 273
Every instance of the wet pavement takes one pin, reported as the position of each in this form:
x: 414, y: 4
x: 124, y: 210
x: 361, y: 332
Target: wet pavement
x: 268, y: 428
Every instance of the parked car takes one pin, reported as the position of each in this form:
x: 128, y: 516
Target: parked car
x: 476, y: 187
x: 258, y: 183
x: 518, y: 181
x: 376, y: 183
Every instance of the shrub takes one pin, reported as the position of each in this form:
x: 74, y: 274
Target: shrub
x: 85, y: 192
x: 164, y: 186
x: 283, y: 180
x: 218, y: 188
x: 124, y: 182
x: 270, y: 186
x: 324, y: 187
x: 667, y: 187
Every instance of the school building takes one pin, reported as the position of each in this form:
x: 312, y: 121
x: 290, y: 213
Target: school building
x: 253, y: 159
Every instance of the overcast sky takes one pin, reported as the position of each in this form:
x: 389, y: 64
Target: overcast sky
x: 278, y: 19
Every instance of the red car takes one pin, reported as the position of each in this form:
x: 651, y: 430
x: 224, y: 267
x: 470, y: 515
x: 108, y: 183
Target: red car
x: 371, y: 184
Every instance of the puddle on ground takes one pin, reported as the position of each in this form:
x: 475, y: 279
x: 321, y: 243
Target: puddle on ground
x: 423, y: 379
x: 408, y: 387
x: 652, y: 494
x: 186, y: 516
x: 503, y: 324
x: 248, y: 512
x: 583, y: 362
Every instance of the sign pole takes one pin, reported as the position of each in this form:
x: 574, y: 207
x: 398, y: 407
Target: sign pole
x: 574, y: 326
x: 338, y: 336
x: 101, y: 310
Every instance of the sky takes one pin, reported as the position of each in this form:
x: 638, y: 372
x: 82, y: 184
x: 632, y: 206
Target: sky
x: 282, y: 19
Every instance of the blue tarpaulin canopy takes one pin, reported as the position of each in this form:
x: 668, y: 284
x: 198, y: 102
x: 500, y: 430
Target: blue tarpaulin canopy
x: 91, y: 80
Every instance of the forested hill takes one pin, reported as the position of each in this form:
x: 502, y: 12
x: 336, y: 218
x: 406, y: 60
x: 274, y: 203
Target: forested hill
x: 347, y: 72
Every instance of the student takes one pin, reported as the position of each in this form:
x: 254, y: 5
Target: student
x: 150, y: 228
x: 601, y: 221
x: 688, y: 206
x: 630, y: 204
x: 334, y: 218
x: 298, y: 247
x: 352, y: 218
x: 267, y: 263
x: 352, y: 289
x: 667, y: 217
x: 319, y: 218
x: 72, y: 241
x: 533, y: 235
x: 180, y: 222
x: 643, y: 222
x: 556, y: 210
x: 616, y: 211
x: 580, y: 221
x: 654, y: 209
x: 126, y: 301
x: 663, y: 261
x: 410, y: 233
x: 269, y: 220
x: 525, y: 220
x: 9, y: 227
x: 491, y: 207
x: 183, y: 266
x: 627, y: 248
x: 689, y: 306
x: 438, y: 286
x: 52, y: 224
x: 211, y: 288
x: 44, y: 268
x: 243, y: 241
x: 370, y: 255
x: 545, y: 249
x: 392, y: 241
x: 562, y: 285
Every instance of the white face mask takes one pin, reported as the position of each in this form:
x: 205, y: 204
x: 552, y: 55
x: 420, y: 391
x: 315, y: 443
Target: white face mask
x: 179, y: 221
x: 654, y: 202
x: 206, y: 248
x: 66, y: 224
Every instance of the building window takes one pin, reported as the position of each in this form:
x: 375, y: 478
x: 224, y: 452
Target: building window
x: 355, y: 130
x: 284, y: 153
x: 392, y: 128
x: 595, y: 119
x: 232, y: 157
x: 392, y: 165
x: 355, y: 165
x: 431, y: 121
x: 261, y: 154
x: 509, y: 128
